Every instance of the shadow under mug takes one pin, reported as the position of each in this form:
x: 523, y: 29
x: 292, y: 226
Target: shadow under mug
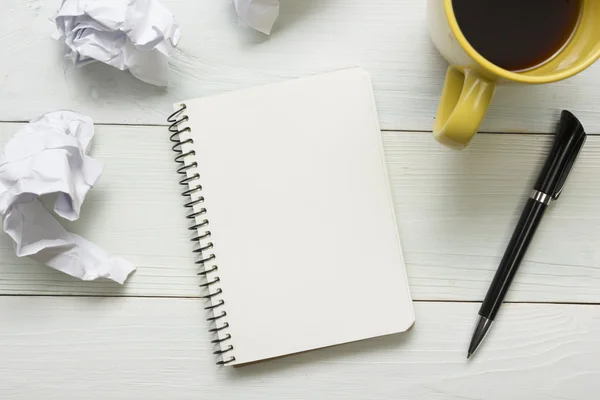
x: 471, y: 80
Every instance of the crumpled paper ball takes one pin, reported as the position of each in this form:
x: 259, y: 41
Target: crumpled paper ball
x: 134, y: 35
x: 50, y: 156
x: 258, y: 14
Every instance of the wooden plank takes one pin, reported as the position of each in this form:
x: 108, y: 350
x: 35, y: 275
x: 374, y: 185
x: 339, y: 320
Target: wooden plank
x: 387, y: 37
x: 455, y: 211
x: 132, y: 348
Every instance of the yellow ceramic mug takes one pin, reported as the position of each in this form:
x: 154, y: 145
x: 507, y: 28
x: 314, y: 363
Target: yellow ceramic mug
x: 471, y: 79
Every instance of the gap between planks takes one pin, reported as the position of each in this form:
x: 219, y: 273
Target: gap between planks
x: 382, y: 130
x: 568, y: 303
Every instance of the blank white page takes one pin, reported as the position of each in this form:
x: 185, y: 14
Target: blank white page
x: 301, y: 215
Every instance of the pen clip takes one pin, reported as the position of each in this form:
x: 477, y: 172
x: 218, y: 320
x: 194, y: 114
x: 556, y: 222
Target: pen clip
x: 568, y: 166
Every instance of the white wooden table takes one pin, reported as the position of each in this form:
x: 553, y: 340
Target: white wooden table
x: 62, y: 338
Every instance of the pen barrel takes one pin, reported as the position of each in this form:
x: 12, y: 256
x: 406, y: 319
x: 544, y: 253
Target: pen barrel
x: 515, y: 251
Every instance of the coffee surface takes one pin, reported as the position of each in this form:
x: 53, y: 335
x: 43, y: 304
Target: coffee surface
x: 517, y: 34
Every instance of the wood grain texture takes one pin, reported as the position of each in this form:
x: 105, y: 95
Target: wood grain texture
x: 387, y: 37
x: 455, y: 212
x: 131, y: 348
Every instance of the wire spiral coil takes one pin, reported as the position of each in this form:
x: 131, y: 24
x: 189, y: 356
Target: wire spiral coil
x: 177, y: 122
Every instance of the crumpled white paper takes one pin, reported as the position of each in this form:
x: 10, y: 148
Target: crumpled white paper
x: 258, y: 14
x: 138, y: 35
x: 50, y: 156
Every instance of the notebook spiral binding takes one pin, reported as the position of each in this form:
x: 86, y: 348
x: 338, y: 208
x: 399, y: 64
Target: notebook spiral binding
x: 177, y: 126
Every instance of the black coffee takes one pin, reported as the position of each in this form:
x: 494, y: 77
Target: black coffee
x: 517, y: 34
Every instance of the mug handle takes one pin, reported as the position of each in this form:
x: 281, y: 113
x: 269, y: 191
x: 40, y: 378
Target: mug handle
x: 465, y: 100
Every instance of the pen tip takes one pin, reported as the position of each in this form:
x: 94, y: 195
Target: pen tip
x: 481, y: 329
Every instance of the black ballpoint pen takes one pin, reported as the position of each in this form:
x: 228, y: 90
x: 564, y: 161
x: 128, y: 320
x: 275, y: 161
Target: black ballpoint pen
x: 568, y: 142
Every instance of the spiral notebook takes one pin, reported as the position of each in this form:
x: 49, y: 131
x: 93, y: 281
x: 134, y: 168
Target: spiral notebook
x: 292, y: 213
